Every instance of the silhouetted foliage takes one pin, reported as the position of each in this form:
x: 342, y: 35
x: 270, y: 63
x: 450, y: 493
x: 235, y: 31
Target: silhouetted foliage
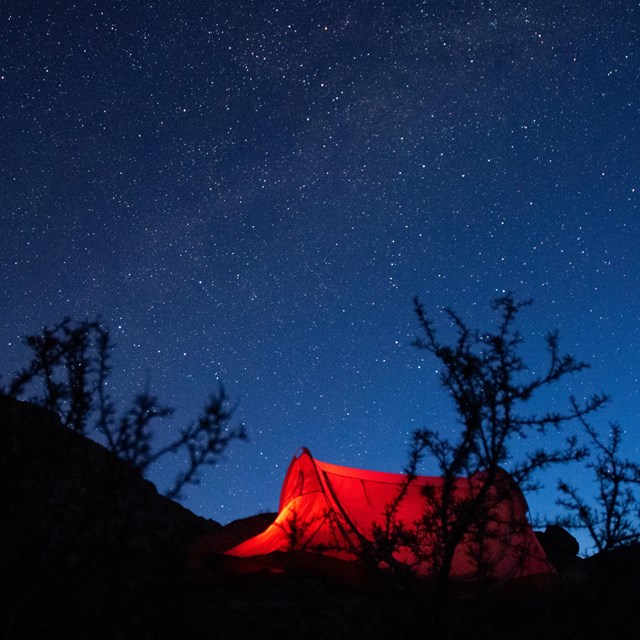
x: 489, y: 383
x: 390, y: 535
x: 69, y: 374
x: 615, y: 520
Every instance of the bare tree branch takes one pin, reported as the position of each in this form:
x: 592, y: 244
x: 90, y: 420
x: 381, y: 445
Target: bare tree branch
x: 71, y: 367
x: 490, y: 384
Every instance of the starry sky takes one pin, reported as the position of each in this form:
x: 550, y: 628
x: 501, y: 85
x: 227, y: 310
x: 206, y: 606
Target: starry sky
x: 253, y: 192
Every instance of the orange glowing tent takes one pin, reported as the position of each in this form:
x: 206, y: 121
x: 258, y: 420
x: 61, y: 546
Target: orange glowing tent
x: 332, y: 510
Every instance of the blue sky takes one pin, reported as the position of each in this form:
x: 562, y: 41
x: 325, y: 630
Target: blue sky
x: 254, y: 193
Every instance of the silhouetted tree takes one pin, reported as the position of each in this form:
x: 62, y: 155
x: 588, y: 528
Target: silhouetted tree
x: 69, y: 374
x: 615, y: 520
x: 489, y: 383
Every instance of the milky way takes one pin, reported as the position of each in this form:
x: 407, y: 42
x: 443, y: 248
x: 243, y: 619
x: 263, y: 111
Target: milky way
x: 254, y: 192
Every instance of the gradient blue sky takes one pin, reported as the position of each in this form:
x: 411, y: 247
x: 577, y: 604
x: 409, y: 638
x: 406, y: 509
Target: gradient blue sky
x: 253, y: 192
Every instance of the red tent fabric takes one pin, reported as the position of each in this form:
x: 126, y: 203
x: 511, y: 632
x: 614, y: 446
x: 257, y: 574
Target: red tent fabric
x: 332, y: 510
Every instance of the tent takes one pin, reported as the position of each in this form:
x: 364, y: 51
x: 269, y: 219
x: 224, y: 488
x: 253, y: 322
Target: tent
x: 332, y: 510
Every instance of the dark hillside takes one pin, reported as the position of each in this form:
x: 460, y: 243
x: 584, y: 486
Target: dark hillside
x: 86, y: 542
x: 91, y: 550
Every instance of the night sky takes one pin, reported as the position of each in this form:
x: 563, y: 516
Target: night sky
x: 253, y: 192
